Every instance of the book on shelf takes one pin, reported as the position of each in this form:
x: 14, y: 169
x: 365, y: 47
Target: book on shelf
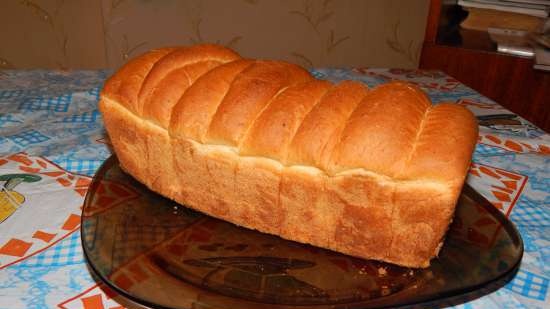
x: 537, y: 10
x: 513, y: 42
x: 541, y: 67
x: 544, y: 2
x: 483, y: 19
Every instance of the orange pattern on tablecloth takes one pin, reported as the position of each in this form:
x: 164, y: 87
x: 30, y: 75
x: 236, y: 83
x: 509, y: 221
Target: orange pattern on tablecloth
x: 15, y: 247
x: 513, y: 145
x: 505, y: 189
x: 482, y: 105
x: 21, y: 158
x: 71, y: 223
x: 42, y: 163
x: 93, y: 302
x: 509, y: 174
x: 509, y: 144
x: 510, y: 184
x: 31, y: 170
x: 488, y: 172
x: 475, y: 173
x: 35, y: 239
x: 81, y: 186
x: 95, y: 297
x: 53, y: 174
x: 83, y: 182
x: 47, y: 237
x: 494, y: 139
x: 64, y: 182
x: 527, y: 146
x: 501, y: 196
x: 66, y: 179
x: 502, y: 188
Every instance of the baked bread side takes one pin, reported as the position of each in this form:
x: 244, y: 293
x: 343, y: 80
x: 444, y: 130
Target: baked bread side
x: 373, y: 173
x: 147, y: 88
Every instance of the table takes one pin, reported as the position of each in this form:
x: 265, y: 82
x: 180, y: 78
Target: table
x: 52, y: 141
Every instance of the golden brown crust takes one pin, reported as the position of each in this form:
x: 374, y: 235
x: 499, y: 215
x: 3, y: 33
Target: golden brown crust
x: 273, y: 130
x: 124, y: 86
x: 251, y: 91
x: 390, y: 135
x: 454, y: 129
x: 169, y: 90
x: 177, y: 59
x: 320, y: 131
x: 194, y: 111
x: 374, y: 173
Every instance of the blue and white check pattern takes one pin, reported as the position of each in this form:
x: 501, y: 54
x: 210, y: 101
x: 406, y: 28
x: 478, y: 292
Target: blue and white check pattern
x: 66, y: 252
x: 8, y: 119
x: 27, y: 138
x: 95, y: 92
x: 10, y: 94
x: 486, y: 150
x: 86, y: 117
x: 85, y: 167
x: 55, y: 104
x: 529, y: 285
x: 318, y: 75
x: 542, y: 185
x: 530, y: 214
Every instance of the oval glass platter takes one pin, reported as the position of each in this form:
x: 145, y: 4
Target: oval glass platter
x: 160, y: 254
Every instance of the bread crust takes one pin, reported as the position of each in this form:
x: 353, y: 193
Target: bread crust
x: 374, y: 173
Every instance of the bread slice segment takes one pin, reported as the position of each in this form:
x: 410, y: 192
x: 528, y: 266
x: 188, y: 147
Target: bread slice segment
x: 121, y: 90
x: 273, y: 131
x: 317, y: 135
x: 251, y: 91
x: 392, y: 115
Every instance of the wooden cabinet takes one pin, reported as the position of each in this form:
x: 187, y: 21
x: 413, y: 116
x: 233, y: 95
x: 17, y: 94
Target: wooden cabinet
x: 471, y: 57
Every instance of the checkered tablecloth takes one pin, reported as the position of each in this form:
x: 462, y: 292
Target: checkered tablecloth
x: 50, y: 128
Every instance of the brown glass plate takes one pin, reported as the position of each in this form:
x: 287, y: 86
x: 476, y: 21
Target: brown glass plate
x: 161, y: 254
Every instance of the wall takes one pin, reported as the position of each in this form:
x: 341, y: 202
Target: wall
x: 104, y: 33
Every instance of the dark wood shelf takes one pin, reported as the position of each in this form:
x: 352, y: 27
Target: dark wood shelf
x: 449, y: 32
x: 469, y: 39
x: 471, y: 57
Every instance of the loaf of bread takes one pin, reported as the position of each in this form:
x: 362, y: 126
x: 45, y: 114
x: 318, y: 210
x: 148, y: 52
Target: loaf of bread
x: 373, y: 173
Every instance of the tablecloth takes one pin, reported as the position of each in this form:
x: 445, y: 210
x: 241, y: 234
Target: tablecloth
x: 52, y: 140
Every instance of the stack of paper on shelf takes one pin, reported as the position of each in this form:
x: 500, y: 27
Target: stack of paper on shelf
x: 514, y: 25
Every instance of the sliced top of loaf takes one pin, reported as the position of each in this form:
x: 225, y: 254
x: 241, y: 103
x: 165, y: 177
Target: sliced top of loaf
x: 277, y: 110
